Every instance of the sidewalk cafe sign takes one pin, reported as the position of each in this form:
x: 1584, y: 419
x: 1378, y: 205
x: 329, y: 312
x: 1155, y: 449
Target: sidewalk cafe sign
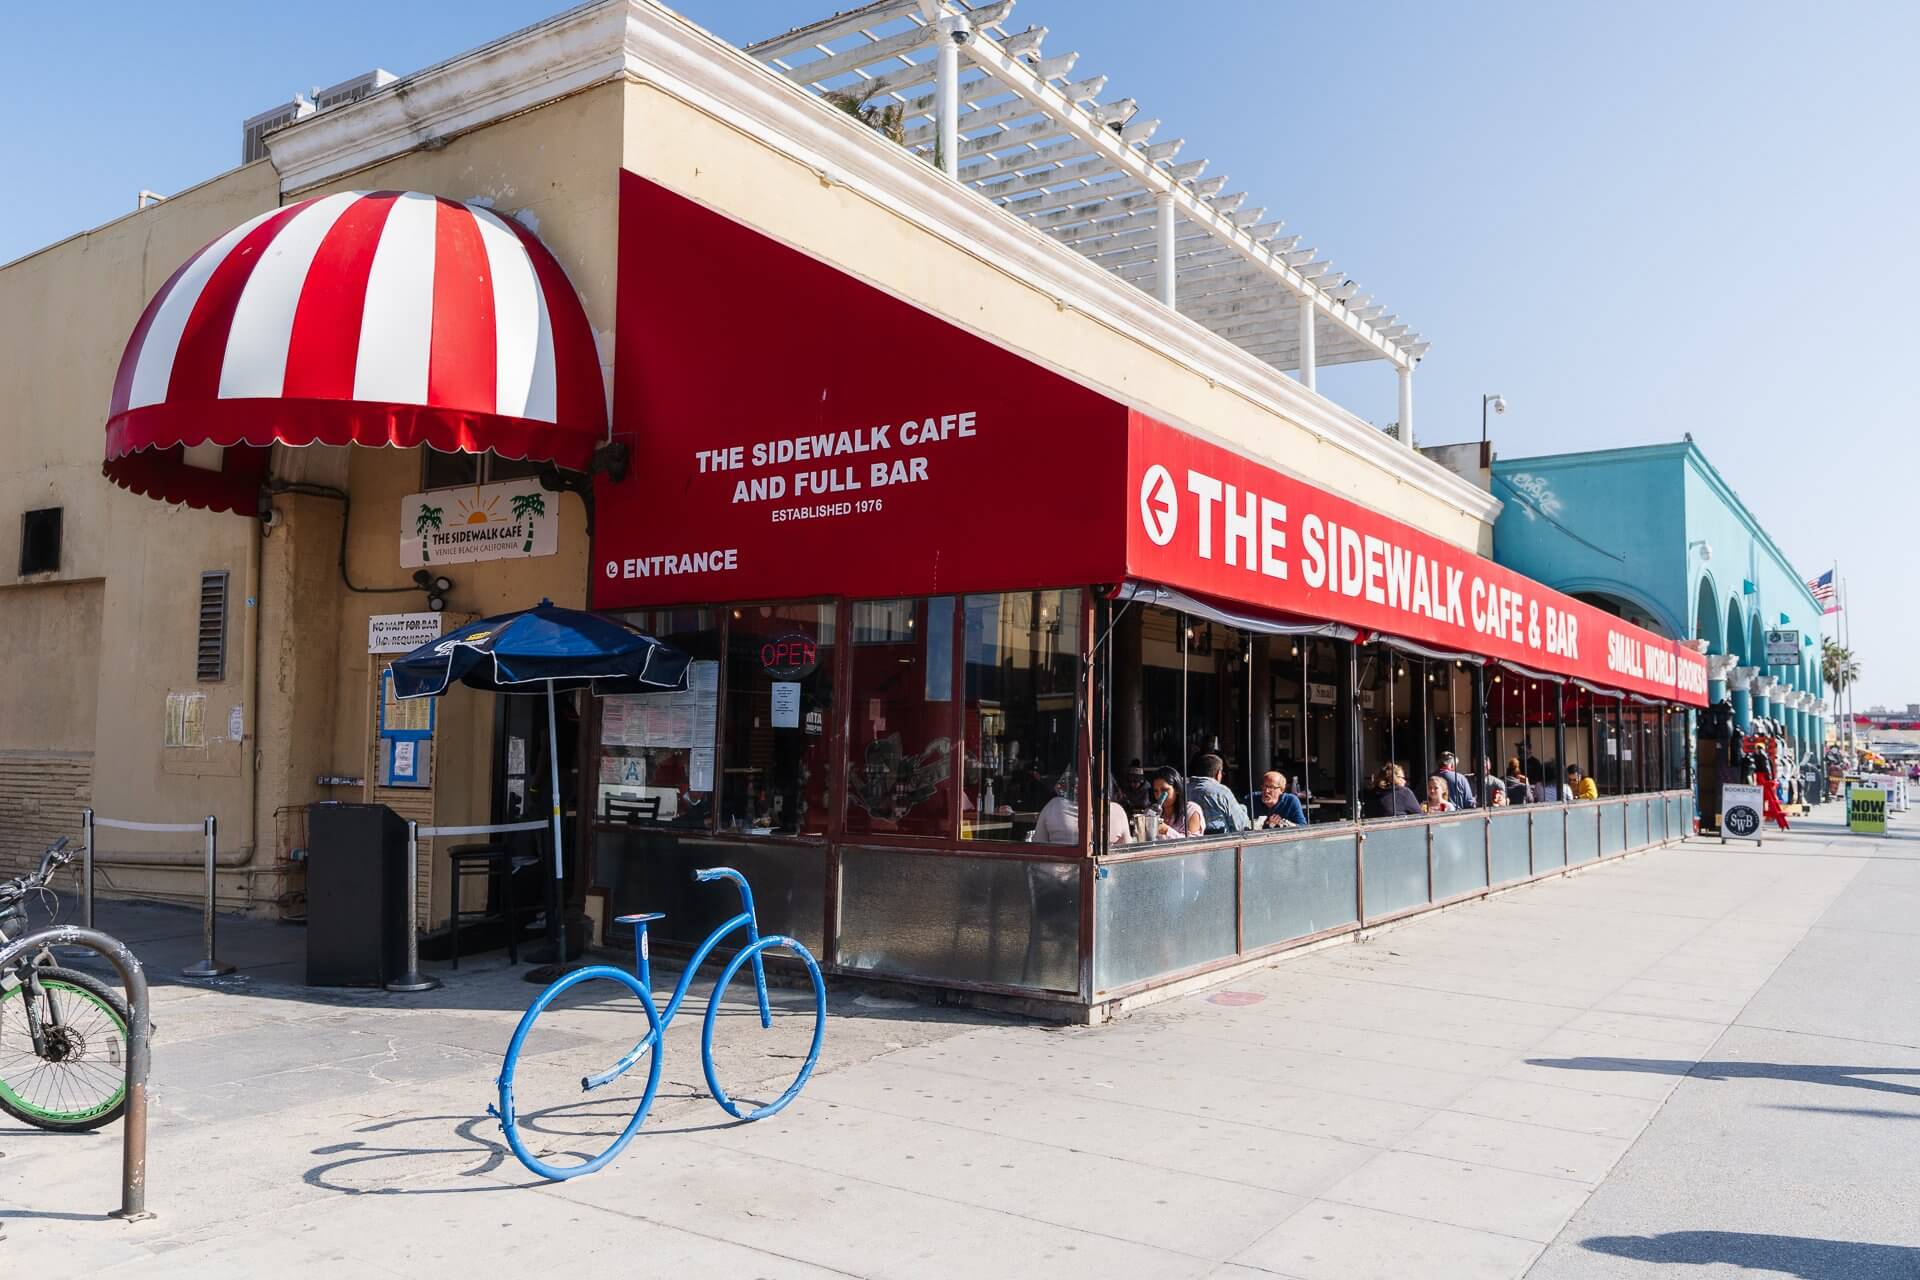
x: 1740, y: 813
x: 478, y: 522
x: 1867, y: 811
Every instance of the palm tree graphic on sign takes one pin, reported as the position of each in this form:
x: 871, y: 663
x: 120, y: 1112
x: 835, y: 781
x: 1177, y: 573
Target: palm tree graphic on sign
x: 525, y: 507
x: 425, y: 519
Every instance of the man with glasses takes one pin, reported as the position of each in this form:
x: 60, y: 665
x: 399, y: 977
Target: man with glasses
x: 1273, y: 805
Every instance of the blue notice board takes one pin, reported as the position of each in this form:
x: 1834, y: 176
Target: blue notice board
x: 406, y: 737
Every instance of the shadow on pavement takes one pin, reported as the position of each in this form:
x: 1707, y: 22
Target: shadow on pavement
x: 1839, y: 1077
x: 604, y: 1118
x: 1867, y: 1113
x: 1801, y: 1256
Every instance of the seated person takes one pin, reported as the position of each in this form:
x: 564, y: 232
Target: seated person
x: 1495, y: 784
x: 1135, y: 792
x: 1219, y: 808
x: 1437, y: 801
x: 1519, y: 790
x: 1273, y: 805
x: 1059, y: 823
x: 1579, y: 785
x: 1176, y: 815
x: 1391, y: 797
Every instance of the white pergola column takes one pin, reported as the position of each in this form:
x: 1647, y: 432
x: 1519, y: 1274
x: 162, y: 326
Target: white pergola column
x: 946, y: 78
x: 1406, y: 405
x: 1164, y: 211
x: 1309, y: 356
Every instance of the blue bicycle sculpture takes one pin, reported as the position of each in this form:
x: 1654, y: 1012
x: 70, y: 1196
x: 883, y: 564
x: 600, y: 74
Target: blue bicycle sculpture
x: 641, y: 986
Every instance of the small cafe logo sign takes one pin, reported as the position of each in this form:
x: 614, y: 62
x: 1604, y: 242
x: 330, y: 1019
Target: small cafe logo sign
x: 478, y: 522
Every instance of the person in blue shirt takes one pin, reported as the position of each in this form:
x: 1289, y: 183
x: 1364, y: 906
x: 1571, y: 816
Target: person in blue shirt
x: 1275, y: 806
x: 1219, y: 807
x: 1459, y: 790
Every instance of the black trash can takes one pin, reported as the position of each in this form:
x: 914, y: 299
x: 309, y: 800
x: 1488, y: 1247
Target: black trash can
x: 356, y: 895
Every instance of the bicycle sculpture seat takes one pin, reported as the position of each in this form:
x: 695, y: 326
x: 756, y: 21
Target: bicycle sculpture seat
x: 551, y: 1060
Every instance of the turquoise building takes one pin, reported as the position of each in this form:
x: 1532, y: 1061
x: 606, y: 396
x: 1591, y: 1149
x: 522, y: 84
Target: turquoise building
x: 1657, y: 536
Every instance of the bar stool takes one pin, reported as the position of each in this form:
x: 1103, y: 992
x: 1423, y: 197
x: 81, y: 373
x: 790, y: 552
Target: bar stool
x: 486, y: 862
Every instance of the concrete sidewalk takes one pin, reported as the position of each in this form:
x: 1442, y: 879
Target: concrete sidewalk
x: 1440, y: 1100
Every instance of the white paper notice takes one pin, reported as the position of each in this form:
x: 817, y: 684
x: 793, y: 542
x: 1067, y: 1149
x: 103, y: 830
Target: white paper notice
x: 403, y: 759
x: 703, y: 677
x: 237, y: 724
x: 700, y: 769
x: 786, y: 704
x: 613, y: 720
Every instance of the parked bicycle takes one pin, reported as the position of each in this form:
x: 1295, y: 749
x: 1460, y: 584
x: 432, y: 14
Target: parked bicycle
x: 63, y: 1033
x: 574, y: 1017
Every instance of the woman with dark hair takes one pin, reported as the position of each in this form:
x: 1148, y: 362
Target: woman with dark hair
x: 1176, y: 815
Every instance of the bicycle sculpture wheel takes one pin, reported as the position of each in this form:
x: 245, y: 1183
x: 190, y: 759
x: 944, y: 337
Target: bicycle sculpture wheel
x: 564, y: 1132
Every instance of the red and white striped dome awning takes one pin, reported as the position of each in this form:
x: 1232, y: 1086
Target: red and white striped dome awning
x: 368, y: 317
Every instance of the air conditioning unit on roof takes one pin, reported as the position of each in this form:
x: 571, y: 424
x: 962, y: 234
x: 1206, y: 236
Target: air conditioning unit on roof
x: 353, y: 90
x: 254, y: 130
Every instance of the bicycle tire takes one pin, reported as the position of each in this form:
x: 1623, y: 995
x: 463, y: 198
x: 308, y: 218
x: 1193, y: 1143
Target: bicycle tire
x: 507, y: 1111
x: 83, y: 1108
x: 768, y: 943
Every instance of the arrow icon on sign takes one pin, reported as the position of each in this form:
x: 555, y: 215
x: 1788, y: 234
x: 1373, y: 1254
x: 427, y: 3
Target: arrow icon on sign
x: 1159, y: 505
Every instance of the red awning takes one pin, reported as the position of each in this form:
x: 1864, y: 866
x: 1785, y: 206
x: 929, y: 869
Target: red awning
x: 367, y: 317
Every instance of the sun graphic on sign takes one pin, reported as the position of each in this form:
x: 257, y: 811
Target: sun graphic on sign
x: 473, y: 511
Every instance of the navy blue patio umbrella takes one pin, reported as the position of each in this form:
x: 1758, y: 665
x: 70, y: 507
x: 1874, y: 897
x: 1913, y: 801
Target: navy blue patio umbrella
x: 545, y: 649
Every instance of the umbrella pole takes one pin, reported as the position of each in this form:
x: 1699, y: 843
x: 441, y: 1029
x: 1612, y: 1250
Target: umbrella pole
x: 556, y: 927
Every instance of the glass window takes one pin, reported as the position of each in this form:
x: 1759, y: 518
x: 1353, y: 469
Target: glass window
x: 900, y: 753
x: 775, y: 765
x: 1326, y: 756
x: 1022, y: 712
x: 449, y: 470
x: 1579, y: 733
x: 657, y: 749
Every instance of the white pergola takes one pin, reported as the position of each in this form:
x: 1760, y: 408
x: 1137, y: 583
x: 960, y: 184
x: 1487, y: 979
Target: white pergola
x: 982, y: 103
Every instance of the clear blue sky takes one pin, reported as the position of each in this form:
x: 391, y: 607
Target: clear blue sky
x: 1632, y: 219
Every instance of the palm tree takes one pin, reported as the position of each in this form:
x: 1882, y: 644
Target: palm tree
x: 423, y: 520
x: 1840, y: 669
x: 525, y: 504
x: 1838, y: 665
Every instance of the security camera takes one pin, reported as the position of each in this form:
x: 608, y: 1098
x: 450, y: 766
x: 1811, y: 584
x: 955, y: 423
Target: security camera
x: 957, y: 31
x: 269, y: 518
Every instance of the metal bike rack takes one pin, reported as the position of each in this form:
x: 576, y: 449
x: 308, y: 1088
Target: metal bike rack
x: 209, y: 965
x: 413, y: 979
x: 133, y: 1156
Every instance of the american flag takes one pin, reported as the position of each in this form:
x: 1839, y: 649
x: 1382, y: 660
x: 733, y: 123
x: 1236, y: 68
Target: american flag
x: 1825, y: 592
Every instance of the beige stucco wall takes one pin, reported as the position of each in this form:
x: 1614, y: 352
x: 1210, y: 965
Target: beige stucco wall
x: 130, y: 572
x: 65, y: 313
x: 711, y: 161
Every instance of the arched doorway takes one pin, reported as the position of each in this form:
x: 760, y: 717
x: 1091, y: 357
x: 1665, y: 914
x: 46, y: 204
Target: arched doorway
x: 1706, y: 617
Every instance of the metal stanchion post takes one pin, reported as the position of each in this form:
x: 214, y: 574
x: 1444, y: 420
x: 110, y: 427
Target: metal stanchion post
x: 413, y: 979
x: 208, y: 966
x: 86, y: 867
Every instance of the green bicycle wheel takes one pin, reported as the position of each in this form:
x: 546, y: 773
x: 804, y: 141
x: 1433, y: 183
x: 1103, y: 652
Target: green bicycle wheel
x: 80, y: 1082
